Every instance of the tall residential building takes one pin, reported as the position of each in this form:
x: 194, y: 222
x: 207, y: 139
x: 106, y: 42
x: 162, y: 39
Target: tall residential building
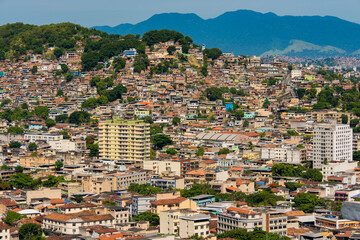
x: 124, y: 140
x: 332, y: 142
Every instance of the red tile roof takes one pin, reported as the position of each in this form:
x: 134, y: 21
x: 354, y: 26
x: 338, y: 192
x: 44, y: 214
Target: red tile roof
x: 196, y: 172
x: 240, y: 210
x: 3, y: 226
x: 169, y: 201
x: 57, y: 201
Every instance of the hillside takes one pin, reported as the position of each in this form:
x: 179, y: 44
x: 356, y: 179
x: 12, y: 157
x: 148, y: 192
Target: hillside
x: 253, y: 33
x: 18, y: 40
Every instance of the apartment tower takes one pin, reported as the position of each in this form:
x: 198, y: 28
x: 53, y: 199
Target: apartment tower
x: 127, y: 140
x: 331, y: 142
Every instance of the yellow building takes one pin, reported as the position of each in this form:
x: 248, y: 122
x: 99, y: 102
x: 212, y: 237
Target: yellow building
x: 35, y: 161
x: 173, y: 204
x: 124, y: 140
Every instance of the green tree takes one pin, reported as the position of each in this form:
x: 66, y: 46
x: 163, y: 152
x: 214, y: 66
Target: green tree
x: 224, y: 151
x: 11, y: 217
x: 108, y: 203
x: 148, y: 119
x: 156, y: 36
x: 197, y: 189
x: 141, y: 62
x: 58, y: 165
x: 143, y: 189
x: 24, y: 106
x: 356, y: 155
x: 23, y: 181
x: 34, y: 69
x: 42, y: 112
x: 171, y: 50
x: 171, y: 151
x: 61, y: 118
x: 287, y: 170
x: 50, y: 123
x: 53, y: 181
x: 14, y: 144
x: 90, y: 139
x: 69, y: 77
x: 32, y: 147
x: 19, y: 169
x: 176, y: 121
x: 4, y: 167
x: 212, y: 53
x: 155, y: 129
x: 65, y: 133
x: 94, y: 149
x: 15, y: 130
x: 59, y: 92
x: 300, y: 92
x: 5, y: 102
x: 213, y: 93
x: 78, y: 198
x: 89, y: 60
x: 58, y: 52
x: 79, y: 117
x: 246, y: 123
x: 185, y: 48
x: 344, y: 119
x: 313, y: 175
x: 152, y: 154
x: 266, y: 103
x: 119, y: 63
x: 354, y: 122
x: 265, y: 197
x: 64, y: 68
x: 306, y: 202
x: 153, y: 218
x: 200, y: 151
x: 30, y: 231
x: 204, y: 71
x: 160, y: 140
x: 239, y: 114
x: 291, y: 186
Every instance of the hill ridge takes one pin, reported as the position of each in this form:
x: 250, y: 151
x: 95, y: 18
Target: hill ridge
x: 253, y: 33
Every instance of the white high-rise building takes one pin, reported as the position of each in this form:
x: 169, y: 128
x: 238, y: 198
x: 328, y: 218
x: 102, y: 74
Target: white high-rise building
x: 332, y: 142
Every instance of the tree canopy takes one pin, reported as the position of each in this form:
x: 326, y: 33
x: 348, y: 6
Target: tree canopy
x: 212, y: 53
x: 143, y: 189
x: 156, y: 36
x: 153, y: 218
x: 30, y: 231
x: 287, y: 170
x: 160, y: 140
x: 306, y: 202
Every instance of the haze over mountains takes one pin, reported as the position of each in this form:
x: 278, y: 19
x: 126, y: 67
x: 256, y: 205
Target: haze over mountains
x: 252, y: 33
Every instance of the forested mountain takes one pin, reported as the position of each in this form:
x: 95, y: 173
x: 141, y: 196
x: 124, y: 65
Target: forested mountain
x: 253, y: 33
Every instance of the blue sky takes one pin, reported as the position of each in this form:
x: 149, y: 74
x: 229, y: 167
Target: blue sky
x: 113, y: 12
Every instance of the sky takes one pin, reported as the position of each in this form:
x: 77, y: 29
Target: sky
x: 114, y: 12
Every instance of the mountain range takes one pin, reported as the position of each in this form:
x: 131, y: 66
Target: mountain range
x: 253, y: 33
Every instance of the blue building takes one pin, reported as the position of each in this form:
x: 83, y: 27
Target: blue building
x: 229, y: 106
x: 203, y: 200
